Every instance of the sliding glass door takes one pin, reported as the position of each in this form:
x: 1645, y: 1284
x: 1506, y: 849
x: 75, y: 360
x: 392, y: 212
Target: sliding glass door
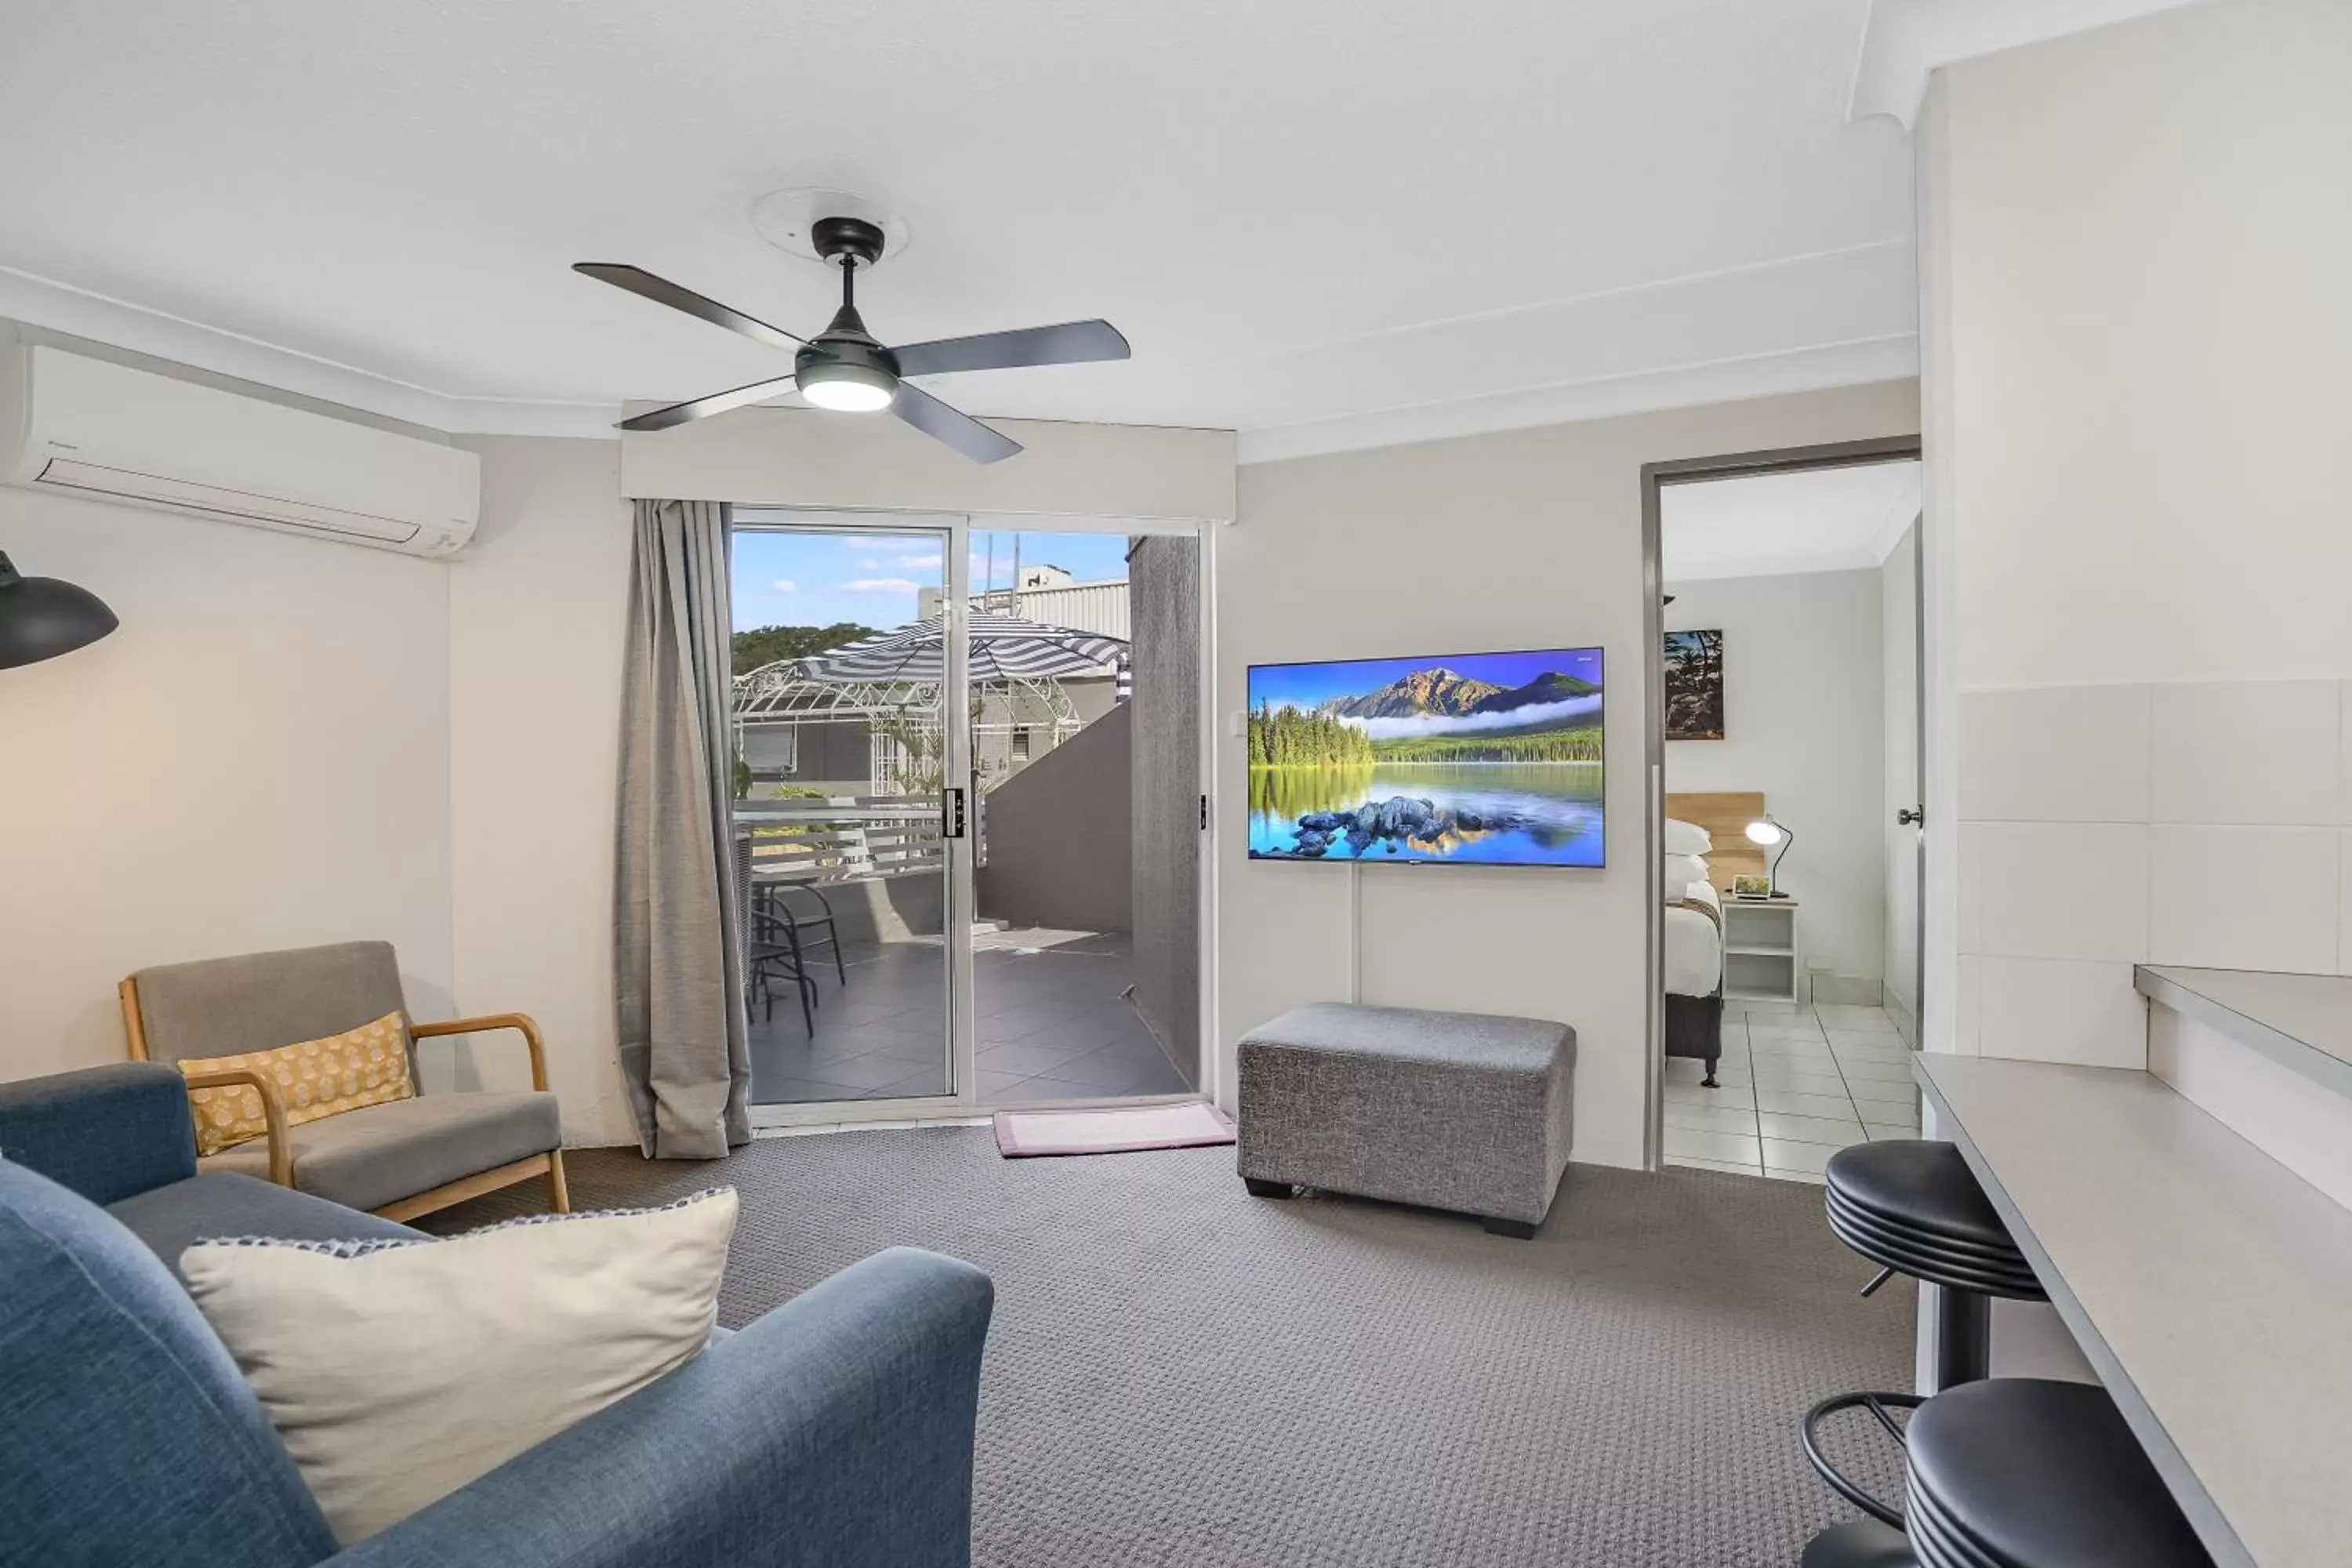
x: 970, y: 814
x: 851, y: 773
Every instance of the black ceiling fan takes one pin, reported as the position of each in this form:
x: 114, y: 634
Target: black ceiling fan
x: 846, y: 367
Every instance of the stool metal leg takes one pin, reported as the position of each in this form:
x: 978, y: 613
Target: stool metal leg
x: 1963, y: 1326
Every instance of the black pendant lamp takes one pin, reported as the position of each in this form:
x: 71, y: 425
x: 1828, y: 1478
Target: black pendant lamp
x: 41, y: 617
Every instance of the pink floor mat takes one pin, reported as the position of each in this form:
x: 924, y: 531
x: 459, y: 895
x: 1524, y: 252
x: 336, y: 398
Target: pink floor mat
x: 1120, y: 1130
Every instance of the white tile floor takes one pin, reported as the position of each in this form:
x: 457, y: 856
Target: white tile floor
x: 1796, y: 1085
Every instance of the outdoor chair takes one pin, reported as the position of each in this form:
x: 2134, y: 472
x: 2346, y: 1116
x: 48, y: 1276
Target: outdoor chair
x: 769, y: 950
x: 807, y: 932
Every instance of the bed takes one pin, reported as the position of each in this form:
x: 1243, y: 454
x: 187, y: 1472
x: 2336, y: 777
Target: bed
x: 1693, y: 957
x: 1693, y: 975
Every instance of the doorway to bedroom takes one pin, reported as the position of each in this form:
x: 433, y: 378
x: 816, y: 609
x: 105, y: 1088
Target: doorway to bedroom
x: 1786, y: 753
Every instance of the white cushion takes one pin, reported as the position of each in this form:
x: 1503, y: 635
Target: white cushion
x: 1681, y: 871
x: 396, y: 1371
x: 1687, y: 838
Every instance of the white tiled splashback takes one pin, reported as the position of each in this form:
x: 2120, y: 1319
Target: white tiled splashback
x: 2103, y: 825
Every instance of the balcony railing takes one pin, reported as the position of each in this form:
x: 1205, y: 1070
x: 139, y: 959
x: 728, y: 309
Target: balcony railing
x: 850, y: 839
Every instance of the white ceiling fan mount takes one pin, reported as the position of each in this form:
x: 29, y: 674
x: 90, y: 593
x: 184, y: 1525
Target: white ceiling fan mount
x: 787, y: 219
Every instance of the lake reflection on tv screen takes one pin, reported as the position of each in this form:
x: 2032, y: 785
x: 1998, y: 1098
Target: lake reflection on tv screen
x: 1478, y: 759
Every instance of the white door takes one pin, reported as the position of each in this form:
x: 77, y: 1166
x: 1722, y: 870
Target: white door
x: 1906, y: 765
x: 854, y: 778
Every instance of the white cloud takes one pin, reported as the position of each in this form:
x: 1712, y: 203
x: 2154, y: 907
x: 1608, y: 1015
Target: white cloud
x: 1471, y: 724
x: 881, y: 586
x: 785, y: 585
x: 870, y: 565
x: 920, y: 563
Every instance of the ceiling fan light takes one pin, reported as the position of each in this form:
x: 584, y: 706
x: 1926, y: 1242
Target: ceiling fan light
x: 848, y: 388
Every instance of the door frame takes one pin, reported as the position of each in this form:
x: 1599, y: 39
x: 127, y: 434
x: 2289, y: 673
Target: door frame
x: 1655, y: 478
x: 960, y: 903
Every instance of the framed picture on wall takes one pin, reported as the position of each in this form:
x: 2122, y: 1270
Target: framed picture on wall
x: 1694, y: 686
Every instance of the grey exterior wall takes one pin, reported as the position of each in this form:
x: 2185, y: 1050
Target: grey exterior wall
x: 1058, y: 850
x: 1164, y: 595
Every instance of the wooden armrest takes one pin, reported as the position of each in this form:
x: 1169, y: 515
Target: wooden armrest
x: 273, y: 1113
x: 518, y: 1021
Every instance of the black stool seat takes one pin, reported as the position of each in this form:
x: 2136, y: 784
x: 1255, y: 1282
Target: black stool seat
x: 1932, y: 1262
x: 1921, y: 1184
x: 2016, y: 1472
x: 2005, y: 1254
x: 1913, y: 1205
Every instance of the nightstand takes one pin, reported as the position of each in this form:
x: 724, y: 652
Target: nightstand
x: 1760, y: 960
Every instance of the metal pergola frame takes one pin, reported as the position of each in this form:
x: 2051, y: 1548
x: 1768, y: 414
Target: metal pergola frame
x: 792, y: 692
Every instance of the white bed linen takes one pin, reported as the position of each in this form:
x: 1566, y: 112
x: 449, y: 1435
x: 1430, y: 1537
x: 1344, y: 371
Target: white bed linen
x: 1694, y: 947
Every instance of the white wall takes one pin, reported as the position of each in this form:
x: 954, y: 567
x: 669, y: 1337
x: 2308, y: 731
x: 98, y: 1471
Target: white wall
x: 1804, y: 721
x: 2135, y: 328
x: 258, y: 758
x: 808, y: 457
x: 537, y: 615
x: 1530, y: 538
x: 2150, y: 242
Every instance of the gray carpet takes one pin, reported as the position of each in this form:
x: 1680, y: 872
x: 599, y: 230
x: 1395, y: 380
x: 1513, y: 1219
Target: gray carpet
x: 1180, y: 1374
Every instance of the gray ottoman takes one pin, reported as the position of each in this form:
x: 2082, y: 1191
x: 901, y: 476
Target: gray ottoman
x: 1452, y: 1110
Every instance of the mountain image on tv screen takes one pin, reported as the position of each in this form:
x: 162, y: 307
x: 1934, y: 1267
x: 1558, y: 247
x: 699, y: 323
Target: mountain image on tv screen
x: 1469, y: 759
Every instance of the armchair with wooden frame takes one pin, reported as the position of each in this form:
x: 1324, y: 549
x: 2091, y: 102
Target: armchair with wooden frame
x: 400, y: 1159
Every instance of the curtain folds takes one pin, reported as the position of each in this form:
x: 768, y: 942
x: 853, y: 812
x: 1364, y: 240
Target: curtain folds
x: 677, y: 969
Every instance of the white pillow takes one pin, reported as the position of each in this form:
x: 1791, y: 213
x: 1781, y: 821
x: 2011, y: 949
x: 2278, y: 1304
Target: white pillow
x: 1681, y: 871
x: 396, y: 1371
x: 1687, y: 838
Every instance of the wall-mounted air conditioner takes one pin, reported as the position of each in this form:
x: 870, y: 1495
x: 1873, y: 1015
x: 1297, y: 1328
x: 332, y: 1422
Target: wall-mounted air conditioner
x: 82, y: 425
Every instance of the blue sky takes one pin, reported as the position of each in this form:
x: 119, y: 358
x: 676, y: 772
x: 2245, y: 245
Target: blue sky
x: 1310, y: 685
x: 816, y: 579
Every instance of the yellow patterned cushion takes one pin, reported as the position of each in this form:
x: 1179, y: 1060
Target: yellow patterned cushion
x: 366, y: 1066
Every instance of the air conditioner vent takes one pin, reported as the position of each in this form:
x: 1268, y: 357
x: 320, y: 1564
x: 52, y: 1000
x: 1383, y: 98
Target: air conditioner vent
x: 109, y: 431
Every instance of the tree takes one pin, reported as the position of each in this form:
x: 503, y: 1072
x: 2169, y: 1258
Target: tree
x: 766, y: 645
x: 1288, y: 738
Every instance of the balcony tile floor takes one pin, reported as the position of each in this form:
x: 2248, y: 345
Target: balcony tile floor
x: 1054, y: 1025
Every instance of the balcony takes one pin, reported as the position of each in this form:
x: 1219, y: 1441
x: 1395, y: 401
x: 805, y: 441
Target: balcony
x: 1055, y: 1021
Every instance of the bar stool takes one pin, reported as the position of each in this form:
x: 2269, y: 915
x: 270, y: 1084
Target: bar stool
x: 1912, y: 1206
x: 2020, y: 1472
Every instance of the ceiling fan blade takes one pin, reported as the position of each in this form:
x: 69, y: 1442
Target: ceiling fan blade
x: 954, y: 426
x: 704, y: 407
x: 662, y: 291
x: 1070, y: 342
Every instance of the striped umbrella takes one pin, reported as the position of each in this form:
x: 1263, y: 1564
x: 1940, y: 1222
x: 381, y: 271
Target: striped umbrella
x: 1004, y: 648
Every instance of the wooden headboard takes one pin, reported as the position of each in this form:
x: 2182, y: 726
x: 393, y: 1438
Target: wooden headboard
x: 1724, y: 815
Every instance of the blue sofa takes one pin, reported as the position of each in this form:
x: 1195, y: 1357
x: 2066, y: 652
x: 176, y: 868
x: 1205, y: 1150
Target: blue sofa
x: 836, y: 1431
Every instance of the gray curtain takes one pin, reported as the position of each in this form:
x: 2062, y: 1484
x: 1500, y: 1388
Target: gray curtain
x: 676, y: 959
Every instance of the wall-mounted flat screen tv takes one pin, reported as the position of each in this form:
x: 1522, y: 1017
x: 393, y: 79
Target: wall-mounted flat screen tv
x: 1475, y: 758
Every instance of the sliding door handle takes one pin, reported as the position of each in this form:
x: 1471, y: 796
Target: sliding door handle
x: 952, y: 814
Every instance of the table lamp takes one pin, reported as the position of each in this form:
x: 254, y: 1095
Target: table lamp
x: 1766, y: 830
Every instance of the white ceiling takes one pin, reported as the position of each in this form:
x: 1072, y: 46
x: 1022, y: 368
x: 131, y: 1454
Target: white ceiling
x: 1327, y: 217
x: 1907, y: 39
x: 1767, y: 525
x: 1324, y: 223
